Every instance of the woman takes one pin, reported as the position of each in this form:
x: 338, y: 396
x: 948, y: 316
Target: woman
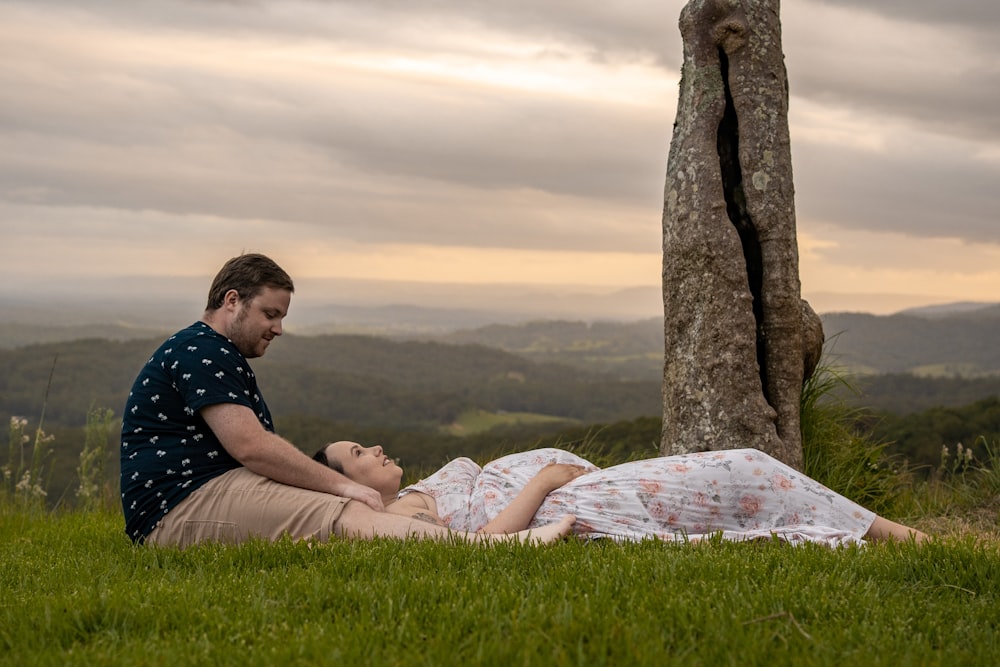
x: 738, y: 494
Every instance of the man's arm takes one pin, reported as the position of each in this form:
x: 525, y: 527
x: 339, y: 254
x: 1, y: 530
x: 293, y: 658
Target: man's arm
x: 270, y: 455
x: 518, y: 514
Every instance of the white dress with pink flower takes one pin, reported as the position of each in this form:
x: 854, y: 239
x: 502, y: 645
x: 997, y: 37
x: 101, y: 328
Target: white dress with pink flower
x: 736, y: 494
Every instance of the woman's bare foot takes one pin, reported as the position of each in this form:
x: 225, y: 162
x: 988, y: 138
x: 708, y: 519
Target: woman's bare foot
x: 883, y: 529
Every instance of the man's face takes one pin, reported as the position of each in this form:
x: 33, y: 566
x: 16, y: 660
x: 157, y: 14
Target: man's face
x: 258, y: 321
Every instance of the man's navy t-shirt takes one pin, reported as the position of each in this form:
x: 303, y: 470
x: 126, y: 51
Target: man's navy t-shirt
x: 167, y: 449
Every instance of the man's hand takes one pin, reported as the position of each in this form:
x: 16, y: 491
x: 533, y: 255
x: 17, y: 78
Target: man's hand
x: 272, y: 456
x: 362, y: 493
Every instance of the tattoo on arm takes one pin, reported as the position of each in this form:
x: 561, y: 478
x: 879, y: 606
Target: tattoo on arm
x: 429, y: 518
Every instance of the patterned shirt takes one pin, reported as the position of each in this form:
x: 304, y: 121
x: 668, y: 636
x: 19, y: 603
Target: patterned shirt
x: 167, y: 449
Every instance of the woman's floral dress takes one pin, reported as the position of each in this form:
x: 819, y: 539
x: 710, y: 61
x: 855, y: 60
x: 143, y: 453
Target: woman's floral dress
x: 736, y: 494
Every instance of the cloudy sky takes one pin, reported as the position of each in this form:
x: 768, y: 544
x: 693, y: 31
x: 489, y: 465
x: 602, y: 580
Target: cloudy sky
x: 513, y: 142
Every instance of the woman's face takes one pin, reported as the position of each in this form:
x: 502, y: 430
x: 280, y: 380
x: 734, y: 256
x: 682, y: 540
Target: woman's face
x: 366, y: 465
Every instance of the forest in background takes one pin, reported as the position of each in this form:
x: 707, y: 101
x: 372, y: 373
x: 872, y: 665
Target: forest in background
x: 536, y: 384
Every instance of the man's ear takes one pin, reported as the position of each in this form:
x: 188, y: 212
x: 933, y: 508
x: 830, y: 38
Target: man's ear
x: 231, y: 299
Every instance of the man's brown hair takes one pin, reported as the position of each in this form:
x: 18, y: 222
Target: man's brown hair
x: 248, y: 274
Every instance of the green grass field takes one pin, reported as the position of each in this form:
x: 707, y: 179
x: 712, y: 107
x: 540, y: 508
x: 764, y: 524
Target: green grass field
x: 76, y: 592
x: 478, y: 421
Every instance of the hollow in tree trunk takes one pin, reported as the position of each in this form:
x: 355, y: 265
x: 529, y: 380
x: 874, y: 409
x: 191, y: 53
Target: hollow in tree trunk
x: 739, y: 339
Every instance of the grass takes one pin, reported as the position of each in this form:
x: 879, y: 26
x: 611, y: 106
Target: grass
x: 76, y: 592
x: 834, y: 453
x: 962, y: 495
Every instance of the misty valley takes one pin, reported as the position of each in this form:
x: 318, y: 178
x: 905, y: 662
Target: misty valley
x: 918, y: 382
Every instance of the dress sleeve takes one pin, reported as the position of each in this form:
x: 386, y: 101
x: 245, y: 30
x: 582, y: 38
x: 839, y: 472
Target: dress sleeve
x: 451, y: 487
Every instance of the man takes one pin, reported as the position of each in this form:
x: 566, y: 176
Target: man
x: 200, y: 460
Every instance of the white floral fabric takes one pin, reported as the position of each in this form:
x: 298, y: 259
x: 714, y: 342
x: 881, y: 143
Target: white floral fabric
x: 451, y: 487
x: 736, y: 494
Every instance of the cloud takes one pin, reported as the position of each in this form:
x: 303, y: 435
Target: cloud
x: 973, y: 14
x: 315, y: 134
x: 884, y: 272
x: 940, y: 76
x: 532, y: 128
x: 920, y: 185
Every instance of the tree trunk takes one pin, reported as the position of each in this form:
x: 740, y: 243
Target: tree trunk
x: 738, y: 335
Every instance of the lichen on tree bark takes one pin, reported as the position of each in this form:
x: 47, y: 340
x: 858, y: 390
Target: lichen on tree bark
x: 739, y: 339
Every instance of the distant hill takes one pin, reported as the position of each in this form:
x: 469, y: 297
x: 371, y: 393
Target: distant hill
x: 946, y: 340
x: 19, y: 335
x: 359, y: 379
x: 953, y: 340
x: 599, y: 371
x: 927, y: 342
x: 903, y: 394
x: 624, y: 349
x: 945, y: 309
x: 963, y: 343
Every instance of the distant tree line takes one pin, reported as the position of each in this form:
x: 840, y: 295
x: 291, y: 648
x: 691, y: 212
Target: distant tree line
x: 402, y: 393
x: 359, y: 379
x: 921, y: 437
x: 904, y: 394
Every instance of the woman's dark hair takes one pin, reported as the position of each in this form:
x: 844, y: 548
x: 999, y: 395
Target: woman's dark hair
x: 321, y: 457
x: 248, y: 274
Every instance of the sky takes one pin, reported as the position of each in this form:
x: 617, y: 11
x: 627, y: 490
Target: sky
x: 473, y: 143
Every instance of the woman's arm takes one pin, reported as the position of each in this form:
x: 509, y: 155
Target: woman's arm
x: 518, y: 514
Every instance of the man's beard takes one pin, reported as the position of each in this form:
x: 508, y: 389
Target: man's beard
x: 245, y: 341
